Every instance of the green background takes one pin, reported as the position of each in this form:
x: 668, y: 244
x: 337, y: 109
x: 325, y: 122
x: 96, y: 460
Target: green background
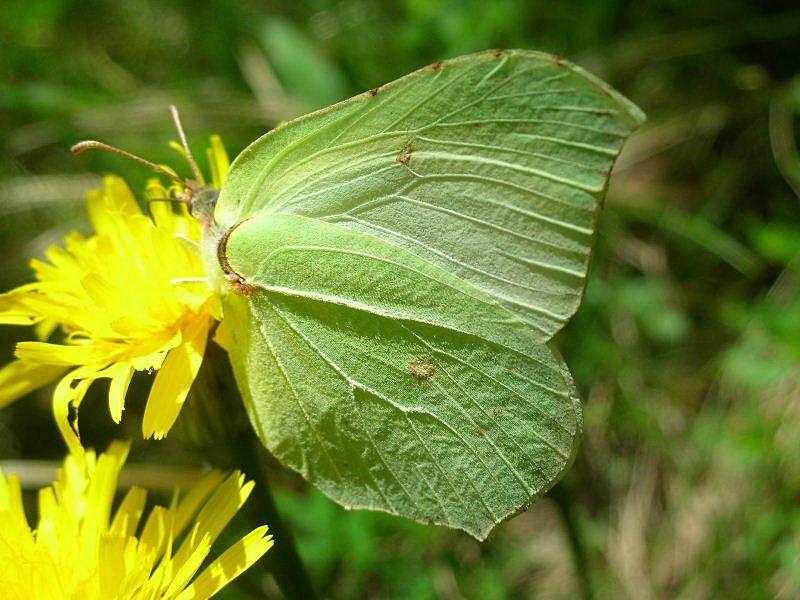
x: 686, y: 349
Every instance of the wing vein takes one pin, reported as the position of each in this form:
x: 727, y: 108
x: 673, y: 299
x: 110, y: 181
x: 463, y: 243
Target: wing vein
x: 491, y: 148
x: 526, y: 488
x: 296, y: 397
x: 510, y: 121
x: 353, y: 384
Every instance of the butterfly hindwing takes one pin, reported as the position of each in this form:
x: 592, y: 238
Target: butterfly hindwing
x: 388, y: 382
x: 492, y: 166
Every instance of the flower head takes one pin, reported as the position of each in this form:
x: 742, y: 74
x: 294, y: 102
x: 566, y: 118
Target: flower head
x: 80, y: 549
x: 131, y: 297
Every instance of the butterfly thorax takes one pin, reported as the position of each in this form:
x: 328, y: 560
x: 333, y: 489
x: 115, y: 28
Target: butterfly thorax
x: 201, y: 206
x: 214, y: 245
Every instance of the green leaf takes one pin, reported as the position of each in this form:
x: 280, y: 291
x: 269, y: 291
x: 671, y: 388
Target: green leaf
x: 307, y: 74
x: 491, y: 166
x: 695, y: 228
x: 400, y: 262
x: 390, y: 383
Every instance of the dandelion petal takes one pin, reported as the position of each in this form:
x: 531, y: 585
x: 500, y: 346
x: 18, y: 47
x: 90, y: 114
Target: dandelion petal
x: 118, y: 389
x: 21, y: 377
x: 174, y: 380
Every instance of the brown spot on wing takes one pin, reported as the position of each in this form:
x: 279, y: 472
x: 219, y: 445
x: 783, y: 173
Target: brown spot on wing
x: 240, y: 286
x: 436, y: 66
x: 374, y: 91
x: 422, y: 369
x: 404, y: 158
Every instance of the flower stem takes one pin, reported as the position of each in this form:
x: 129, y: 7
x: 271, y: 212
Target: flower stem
x: 283, y: 560
x: 214, y: 423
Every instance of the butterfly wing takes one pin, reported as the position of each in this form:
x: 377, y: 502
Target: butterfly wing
x: 406, y: 255
x: 492, y: 166
x: 390, y: 383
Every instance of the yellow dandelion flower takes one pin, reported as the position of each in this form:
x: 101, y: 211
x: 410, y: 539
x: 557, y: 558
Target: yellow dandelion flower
x: 132, y: 297
x: 79, y: 549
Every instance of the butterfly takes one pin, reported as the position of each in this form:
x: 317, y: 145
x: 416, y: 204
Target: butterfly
x: 393, y: 269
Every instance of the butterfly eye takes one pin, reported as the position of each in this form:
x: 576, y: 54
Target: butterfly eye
x: 187, y: 195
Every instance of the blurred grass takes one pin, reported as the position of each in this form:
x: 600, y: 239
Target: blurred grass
x: 687, y: 349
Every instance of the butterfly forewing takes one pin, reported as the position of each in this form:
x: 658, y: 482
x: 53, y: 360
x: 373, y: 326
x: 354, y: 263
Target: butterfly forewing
x: 492, y: 166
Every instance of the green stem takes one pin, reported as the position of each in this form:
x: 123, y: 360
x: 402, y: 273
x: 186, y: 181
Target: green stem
x: 283, y: 560
x: 562, y: 495
x: 214, y: 424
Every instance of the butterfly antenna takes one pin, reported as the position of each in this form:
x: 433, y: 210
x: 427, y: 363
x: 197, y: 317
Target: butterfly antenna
x: 182, y: 134
x: 95, y: 145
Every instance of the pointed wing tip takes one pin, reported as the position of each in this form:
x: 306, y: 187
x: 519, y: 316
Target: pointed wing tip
x: 636, y: 116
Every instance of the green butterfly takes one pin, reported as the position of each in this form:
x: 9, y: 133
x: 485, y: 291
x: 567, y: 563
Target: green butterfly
x: 393, y: 269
